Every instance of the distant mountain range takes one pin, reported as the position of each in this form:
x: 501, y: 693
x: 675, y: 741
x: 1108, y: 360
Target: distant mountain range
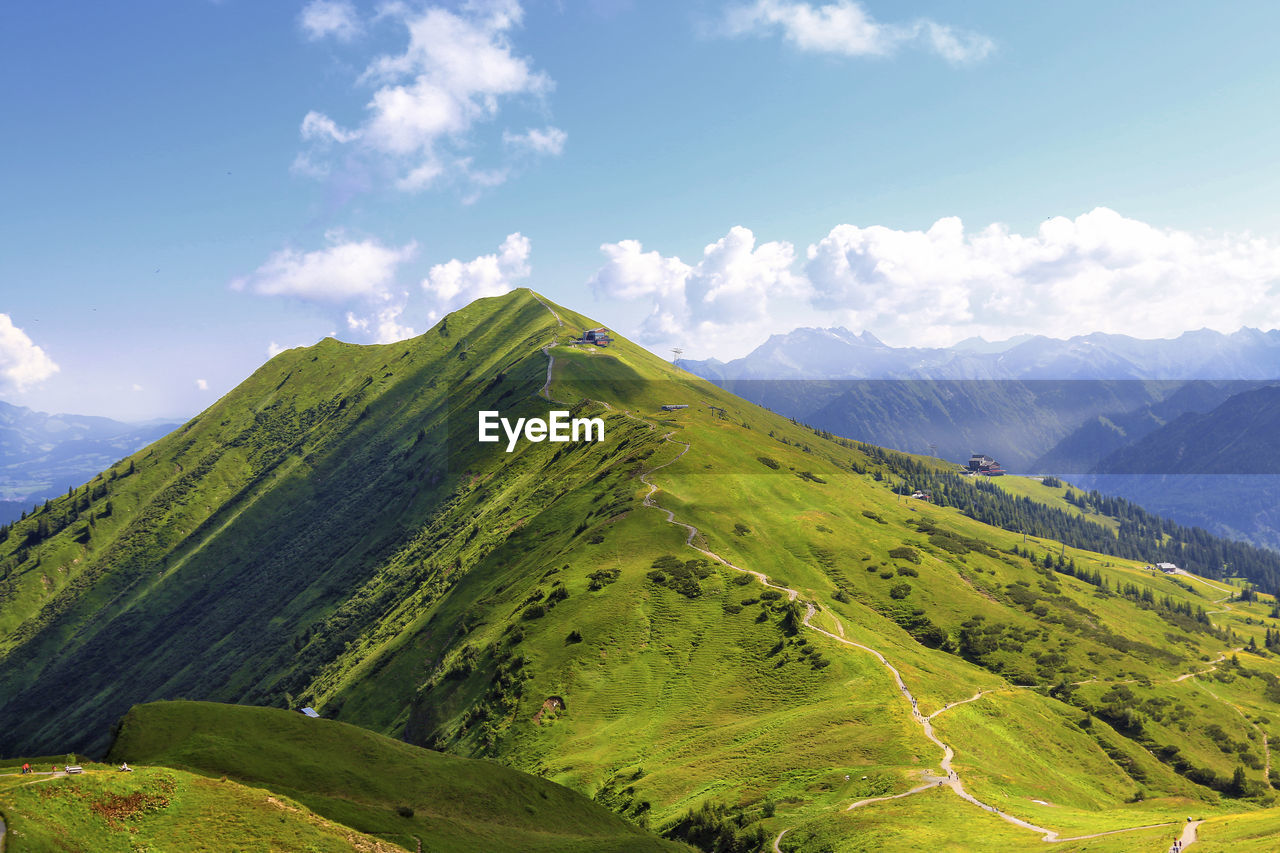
x: 837, y: 353
x: 42, y: 455
x: 1090, y: 408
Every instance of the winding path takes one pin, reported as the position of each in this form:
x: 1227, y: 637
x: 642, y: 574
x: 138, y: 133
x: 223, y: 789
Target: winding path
x: 952, y: 778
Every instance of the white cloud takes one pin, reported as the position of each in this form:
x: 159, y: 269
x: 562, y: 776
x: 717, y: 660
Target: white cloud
x: 319, y: 126
x: 1097, y: 272
x: 451, y: 285
x: 202, y: 384
x: 340, y: 272
x: 727, y: 293
x: 456, y: 72
x: 22, y: 363
x: 335, y: 18
x: 135, y: 387
x: 548, y: 140
x: 359, y: 276
x: 845, y: 27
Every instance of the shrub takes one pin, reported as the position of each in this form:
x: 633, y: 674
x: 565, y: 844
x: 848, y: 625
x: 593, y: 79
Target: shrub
x: 905, y: 553
x: 743, y: 580
x: 900, y: 590
x: 770, y: 595
x: 404, y: 811
x: 575, y: 636
x: 741, y: 529
x: 602, y: 578
x: 768, y: 463
x: 534, y: 611
x: 908, y: 572
x: 874, y: 516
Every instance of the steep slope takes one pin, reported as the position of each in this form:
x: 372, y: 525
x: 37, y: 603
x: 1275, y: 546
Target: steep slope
x: 378, y: 786
x: 595, y: 613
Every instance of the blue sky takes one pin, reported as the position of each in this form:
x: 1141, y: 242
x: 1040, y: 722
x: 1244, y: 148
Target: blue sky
x: 190, y: 184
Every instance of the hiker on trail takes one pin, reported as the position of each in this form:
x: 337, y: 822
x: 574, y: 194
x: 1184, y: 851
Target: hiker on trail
x: 26, y: 768
x: 125, y: 768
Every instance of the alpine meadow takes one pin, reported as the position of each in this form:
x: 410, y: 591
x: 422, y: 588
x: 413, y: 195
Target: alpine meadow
x: 720, y: 626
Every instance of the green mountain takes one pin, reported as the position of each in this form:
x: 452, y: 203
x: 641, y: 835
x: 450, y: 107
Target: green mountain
x: 333, y: 534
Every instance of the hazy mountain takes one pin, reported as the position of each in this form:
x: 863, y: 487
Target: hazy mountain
x: 837, y: 353
x: 41, y: 455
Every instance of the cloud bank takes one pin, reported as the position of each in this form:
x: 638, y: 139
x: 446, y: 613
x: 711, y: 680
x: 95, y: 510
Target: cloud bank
x: 1097, y: 272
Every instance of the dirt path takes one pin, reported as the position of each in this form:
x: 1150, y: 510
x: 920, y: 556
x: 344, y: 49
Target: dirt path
x: 1189, y: 834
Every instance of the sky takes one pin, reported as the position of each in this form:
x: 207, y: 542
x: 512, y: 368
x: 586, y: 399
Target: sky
x: 191, y: 186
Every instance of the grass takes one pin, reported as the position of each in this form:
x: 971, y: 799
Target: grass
x: 378, y: 786
x: 156, y: 808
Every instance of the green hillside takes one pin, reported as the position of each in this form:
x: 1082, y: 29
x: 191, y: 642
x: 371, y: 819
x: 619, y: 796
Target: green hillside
x: 332, y: 534
x: 159, y: 808
x: 379, y: 786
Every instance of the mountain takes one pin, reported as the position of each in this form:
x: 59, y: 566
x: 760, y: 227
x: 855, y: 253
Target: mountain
x: 42, y: 455
x: 713, y: 621
x: 837, y: 353
x: 1218, y: 469
x: 1104, y: 434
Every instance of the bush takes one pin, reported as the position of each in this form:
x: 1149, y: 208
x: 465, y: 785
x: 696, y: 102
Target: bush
x: 575, y: 636
x: 741, y: 529
x: 908, y: 572
x: 768, y: 463
x: 905, y: 553
x: 602, y: 578
x: 404, y: 811
x: 743, y: 580
x: 770, y: 595
x: 900, y: 590
x: 874, y: 516
x: 534, y: 611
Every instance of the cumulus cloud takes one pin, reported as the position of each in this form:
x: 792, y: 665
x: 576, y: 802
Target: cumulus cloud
x: 202, y: 384
x: 727, y: 291
x: 453, y: 284
x: 458, y: 69
x: 1097, y: 272
x: 339, y: 272
x: 22, y: 363
x: 846, y: 27
x: 337, y: 18
x: 359, y: 276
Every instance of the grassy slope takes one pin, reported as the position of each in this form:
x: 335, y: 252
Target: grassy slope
x: 360, y: 779
x: 670, y: 701
x: 156, y: 808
